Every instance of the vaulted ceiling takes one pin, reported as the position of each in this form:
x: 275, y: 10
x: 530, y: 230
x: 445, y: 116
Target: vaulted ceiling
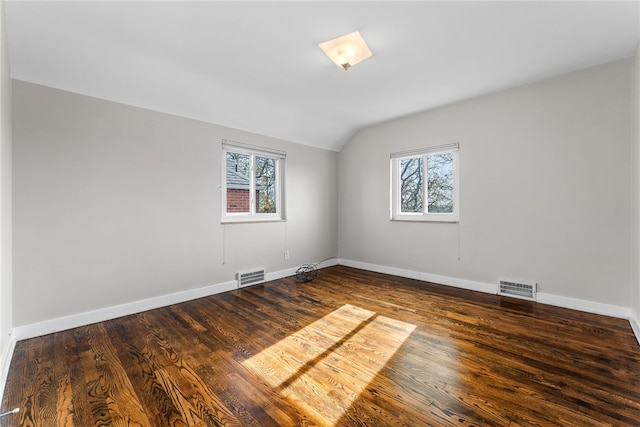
x: 256, y: 66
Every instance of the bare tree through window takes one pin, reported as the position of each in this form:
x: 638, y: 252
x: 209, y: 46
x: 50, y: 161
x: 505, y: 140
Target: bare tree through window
x: 411, y: 185
x: 265, y: 185
x: 439, y: 184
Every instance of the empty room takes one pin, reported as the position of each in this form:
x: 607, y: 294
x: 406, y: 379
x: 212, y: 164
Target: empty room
x: 421, y: 213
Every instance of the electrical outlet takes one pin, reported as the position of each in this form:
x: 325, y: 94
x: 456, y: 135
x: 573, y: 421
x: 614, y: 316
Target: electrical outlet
x: 286, y: 254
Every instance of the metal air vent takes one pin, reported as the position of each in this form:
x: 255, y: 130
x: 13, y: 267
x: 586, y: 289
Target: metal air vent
x: 248, y: 278
x: 525, y: 290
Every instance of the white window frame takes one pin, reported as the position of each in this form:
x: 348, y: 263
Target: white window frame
x: 253, y: 152
x: 395, y: 213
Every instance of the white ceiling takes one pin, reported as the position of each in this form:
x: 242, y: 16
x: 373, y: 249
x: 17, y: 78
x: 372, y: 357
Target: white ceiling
x: 256, y: 66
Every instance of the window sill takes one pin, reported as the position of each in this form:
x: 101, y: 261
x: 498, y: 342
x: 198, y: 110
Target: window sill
x: 419, y: 218
x: 250, y: 220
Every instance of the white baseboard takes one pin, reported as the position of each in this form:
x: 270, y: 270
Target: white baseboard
x: 550, y: 299
x: 100, y: 315
x: 584, y: 305
x: 108, y: 313
x: 636, y: 327
x: 5, y: 362
x: 426, y: 277
x: 328, y: 263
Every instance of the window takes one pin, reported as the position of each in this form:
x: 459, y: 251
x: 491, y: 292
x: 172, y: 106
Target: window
x: 253, y: 183
x: 424, y: 184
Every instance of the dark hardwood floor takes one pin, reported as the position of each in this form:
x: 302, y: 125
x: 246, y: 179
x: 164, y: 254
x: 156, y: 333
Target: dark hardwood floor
x: 350, y: 348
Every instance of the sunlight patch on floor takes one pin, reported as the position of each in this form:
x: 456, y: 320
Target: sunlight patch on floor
x: 324, y: 367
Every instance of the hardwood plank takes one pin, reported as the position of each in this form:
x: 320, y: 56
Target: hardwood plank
x: 351, y: 348
x: 39, y: 399
x: 109, y: 386
x: 144, y: 373
x: 189, y: 393
x: 218, y: 371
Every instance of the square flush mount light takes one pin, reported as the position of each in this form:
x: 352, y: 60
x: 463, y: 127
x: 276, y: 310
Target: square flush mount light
x: 346, y: 51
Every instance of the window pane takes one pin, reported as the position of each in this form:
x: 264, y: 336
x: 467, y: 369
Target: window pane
x: 238, y: 183
x: 440, y: 183
x: 411, y: 185
x: 265, y: 185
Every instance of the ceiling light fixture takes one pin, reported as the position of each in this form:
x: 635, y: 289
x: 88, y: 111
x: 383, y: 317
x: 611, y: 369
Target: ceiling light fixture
x: 346, y: 51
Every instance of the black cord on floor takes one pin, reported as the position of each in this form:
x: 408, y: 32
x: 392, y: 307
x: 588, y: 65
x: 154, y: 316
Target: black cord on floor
x: 308, y: 272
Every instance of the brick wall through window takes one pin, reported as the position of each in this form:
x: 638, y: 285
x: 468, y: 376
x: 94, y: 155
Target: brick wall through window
x: 237, y: 200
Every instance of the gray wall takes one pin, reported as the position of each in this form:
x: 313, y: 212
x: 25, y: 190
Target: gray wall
x: 635, y: 194
x: 545, y: 181
x: 114, y: 204
x: 5, y: 193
